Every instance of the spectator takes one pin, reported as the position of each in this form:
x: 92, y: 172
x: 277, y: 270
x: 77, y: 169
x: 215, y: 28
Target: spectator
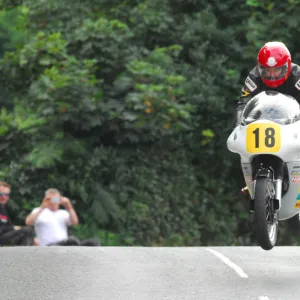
x: 11, y: 235
x: 51, y: 223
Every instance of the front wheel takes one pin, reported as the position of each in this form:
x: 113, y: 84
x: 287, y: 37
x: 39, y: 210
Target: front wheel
x: 265, y: 218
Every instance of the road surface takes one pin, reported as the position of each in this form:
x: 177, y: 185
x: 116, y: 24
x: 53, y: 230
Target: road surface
x: 138, y: 273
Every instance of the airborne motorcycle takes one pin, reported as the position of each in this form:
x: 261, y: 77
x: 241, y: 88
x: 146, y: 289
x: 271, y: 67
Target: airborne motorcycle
x: 268, y: 142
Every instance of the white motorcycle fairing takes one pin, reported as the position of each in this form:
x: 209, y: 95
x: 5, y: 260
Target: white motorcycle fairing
x: 271, y: 125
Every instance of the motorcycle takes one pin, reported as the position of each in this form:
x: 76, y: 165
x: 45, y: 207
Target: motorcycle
x: 268, y: 143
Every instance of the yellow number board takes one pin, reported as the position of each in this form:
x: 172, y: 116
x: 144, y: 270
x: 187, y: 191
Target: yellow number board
x: 264, y: 137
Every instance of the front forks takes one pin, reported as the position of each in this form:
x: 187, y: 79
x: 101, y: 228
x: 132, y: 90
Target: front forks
x: 278, y: 195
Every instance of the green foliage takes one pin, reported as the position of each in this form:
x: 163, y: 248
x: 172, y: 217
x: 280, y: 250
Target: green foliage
x: 157, y: 94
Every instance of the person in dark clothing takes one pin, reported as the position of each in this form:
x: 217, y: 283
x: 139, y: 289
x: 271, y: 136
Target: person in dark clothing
x: 274, y: 71
x: 11, y: 235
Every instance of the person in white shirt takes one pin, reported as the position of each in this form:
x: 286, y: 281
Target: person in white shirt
x: 51, y: 223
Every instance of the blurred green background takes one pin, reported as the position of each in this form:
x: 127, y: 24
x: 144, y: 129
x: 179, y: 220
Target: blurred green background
x: 126, y: 106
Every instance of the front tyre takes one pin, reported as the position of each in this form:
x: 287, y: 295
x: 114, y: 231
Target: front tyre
x: 265, y: 218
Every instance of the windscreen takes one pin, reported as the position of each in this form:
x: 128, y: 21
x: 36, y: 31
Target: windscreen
x: 272, y: 106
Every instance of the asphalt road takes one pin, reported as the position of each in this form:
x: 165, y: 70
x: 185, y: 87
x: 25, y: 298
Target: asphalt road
x: 128, y: 273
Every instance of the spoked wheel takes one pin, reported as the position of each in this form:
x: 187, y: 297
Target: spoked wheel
x: 294, y: 223
x: 265, y: 218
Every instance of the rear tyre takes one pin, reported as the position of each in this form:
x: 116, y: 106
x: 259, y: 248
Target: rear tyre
x: 294, y: 224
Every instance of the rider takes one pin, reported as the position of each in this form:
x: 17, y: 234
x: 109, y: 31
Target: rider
x: 274, y: 71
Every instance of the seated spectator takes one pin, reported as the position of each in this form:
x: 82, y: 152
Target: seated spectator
x: 51, y: 223
x: 11, y: 235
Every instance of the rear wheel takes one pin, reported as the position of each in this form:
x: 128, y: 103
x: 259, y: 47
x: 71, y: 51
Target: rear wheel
x: 294, y: 223
x: 265, y: 218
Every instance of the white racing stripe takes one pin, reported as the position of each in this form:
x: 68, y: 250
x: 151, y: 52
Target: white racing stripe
x: 232, y: 265
x: 263, y: 298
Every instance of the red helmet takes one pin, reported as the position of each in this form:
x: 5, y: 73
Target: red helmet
x: 274, y: 63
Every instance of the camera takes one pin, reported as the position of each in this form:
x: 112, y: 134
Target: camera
x: 55, y: 199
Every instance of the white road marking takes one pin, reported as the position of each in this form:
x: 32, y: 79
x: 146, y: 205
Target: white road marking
x: 229, y: 263
x: 263, y: 298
